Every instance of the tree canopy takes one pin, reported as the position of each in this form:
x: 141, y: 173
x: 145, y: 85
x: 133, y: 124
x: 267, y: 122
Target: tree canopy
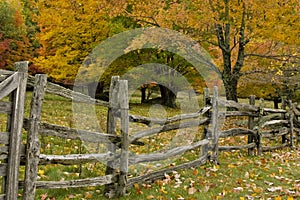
x: 13, y: 39
x: 248, y: 40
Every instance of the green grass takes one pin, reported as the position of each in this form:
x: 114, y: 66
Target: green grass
x: 274, y: 175
x: 238, y: 177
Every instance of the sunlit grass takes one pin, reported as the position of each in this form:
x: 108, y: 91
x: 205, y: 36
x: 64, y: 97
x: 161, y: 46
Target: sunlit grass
x: 238, y: 176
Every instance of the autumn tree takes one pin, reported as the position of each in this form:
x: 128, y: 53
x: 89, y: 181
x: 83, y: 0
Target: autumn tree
x: 232, y: 30
x: 75, y: 28
x: 164, y: 68
x: 30, y: 13
x: 13, y: 40
x: 281, y: 79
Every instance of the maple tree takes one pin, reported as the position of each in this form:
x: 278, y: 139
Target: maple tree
x: 13, y: 39
x: 232, y: 30
x: 75, y: 28
x: 240, y: 35
x: 30, y: 14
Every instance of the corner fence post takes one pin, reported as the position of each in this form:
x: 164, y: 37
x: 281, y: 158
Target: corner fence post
x: 110, y: 189
x: 33, y: 144
x: 124, y: 107
x: 16, y: 124
x: 251, y: 125
x: 215, y: 134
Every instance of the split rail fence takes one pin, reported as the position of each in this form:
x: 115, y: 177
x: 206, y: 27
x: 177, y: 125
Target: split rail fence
x: 262, y: 123
x: 13, y: 86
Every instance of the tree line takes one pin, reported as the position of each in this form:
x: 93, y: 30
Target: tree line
x: 254, y: 43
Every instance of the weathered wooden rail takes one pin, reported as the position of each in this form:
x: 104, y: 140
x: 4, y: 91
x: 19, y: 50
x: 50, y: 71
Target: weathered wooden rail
x: 262, y: 123
x: 13, y: 84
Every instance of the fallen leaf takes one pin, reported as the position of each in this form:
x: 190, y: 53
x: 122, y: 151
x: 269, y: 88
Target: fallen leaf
x: 238, y: 189
x: 268, y: 183
x: 231, y: 166
x: 88, y: 195
x: 44, y: 196
x: 162, y: 190
x: 180, y: 197
x: 247, y: 175
x: 274, y: 189
x: 136, y: 186
x: 249, y: 197
x: 239, y: 181
x: 167, y: 176
x: 206, y: 188
x: 257, y: 190
x: 195, y: 172
x: 192, y: 190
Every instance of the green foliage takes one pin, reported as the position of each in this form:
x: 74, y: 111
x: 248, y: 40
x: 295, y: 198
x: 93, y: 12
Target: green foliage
x: 30, y: 12
x: 12, y: 36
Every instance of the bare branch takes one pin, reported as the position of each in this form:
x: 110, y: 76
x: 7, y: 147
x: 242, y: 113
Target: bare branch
x: 220, y: 35
x: 284, y: 57
x: 144, y: 19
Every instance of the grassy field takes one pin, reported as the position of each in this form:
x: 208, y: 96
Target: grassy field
x: 274, y: 175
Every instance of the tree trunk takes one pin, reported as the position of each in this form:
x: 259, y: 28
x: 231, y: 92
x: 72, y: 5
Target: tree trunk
x: 276, y: 101
x: 95, y: 89
x: 168, y: 96
x: 231, y: 74
x: 92, y: 89
x: 143, y: 98
x: 230, y: 84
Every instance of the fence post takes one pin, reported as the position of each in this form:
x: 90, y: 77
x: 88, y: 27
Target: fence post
x: 111, y: 129
x: 124, y: 107
x: 12, y: 180
x: 296, y: 120
x: 251, y: 125
x: 215, y: 134
x: 259, y: 125
x: 206, y: 100
x: 283, y: 106
x: 291, y: 118
x: 33, y: 144
x: 8, y: 129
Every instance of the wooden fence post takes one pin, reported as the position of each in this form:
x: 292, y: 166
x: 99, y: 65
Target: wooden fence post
x: 12, y: 180
x: 259, y: 125
x: 283, y: 106
x: 206, y: 100
x: 215, y: 134
x: 291, y: 121
x: 8, y: 129
x: 33, y: 144
x: 110, y: 189
x: 251, y: 125
x: 124, y: 107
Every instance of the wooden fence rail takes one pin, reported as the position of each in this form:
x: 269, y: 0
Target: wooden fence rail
x: 263, y: 123
x: 13, y: 84
x: 35, y: 128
